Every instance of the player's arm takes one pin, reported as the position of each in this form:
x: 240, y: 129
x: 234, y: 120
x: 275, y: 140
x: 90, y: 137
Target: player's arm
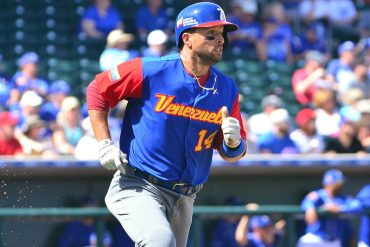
x: 241, y: 231
x: 309, y: 205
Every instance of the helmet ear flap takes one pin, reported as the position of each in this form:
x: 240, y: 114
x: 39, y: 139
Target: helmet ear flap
x: 226, y: 40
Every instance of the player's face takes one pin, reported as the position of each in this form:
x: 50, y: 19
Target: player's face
x: 207, y: 44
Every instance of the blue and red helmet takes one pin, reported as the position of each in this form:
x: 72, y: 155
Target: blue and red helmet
x: 202, y: 14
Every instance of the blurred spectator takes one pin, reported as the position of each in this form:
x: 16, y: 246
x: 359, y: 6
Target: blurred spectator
x: 365, y: 52
x: 251, y: 140
x: 260, y: 124
x: 87, y: 146
x: 315, y: 13
x: 341, y: 70
x: 328, y: 230
x: 27, y: 78
x: 348, y: 109
x: 32, y: 139
x: 117, y: 49
x: 307, y: 80
x: 69, y: 130
x: 156, y: 41
x: 29, y: 105
x: 364, y: 230
x: 305, y: 136
x: 278, y: 141
x: 308, y: 41
x: 4, y: 87
x: 223, y: 232
x: 264, y: 232
x: 120, y: 237
x: 363, y: 106
x: 244, y: 13
x: 150, y: 17
x: 328, y: 118
x: 100, y: 19
x: 363, y: 23
x: 346, y: 142
x: 9, y: 145
x: 58, y: 91
x: 275, y: 43
x: 82, y: 232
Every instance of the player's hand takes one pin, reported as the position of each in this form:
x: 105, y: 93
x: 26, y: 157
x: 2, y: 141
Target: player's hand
x: 231, y: 129
x: 110, y: 156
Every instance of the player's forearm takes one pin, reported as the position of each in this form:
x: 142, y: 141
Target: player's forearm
x: 99, y: 123
x: 241, y: 231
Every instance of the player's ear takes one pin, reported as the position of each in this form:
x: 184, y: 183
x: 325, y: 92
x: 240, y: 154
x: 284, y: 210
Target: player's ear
x: 186, y: 38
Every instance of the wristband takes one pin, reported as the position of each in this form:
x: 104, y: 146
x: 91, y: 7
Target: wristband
x: 233, y: 152
x: 104, y: 143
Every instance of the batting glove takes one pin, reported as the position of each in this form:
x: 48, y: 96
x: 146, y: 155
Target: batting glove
x: 231, y: 129
x: 111, y: 157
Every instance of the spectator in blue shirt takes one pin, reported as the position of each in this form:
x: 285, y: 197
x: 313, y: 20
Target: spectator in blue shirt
x: 364, y: 232
x: 117, y: 50
x: 58, y: 91
x: 245, y: 38
x: 263, y: 232
x: 277, y: 35
x: 223, y: 232
x: 151, y: 17
x: 308, y: 41
x: 27, y: 77
x: 100, y: 19
x: 82, y: 232
x: 278, y: 141
x: 329, y: 230
x: 157, y: 44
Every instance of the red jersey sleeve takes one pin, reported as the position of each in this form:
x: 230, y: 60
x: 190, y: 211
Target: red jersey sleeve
x: 122, y: 82
x: 235, y: 113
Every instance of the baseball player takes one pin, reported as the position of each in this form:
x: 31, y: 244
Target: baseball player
x: 364, y: 231
x: 328, y: 230
x: 180, y: 108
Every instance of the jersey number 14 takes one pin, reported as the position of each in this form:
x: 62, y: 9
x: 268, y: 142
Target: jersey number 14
x: 205, y: 141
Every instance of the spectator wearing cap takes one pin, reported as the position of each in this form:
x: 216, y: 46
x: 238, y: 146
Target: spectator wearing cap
x: 278, y: 141
x: 264, y: 233
x: 328, y: 118
x: 9, y: 145
x: 329, y: 230
x: 307, y: 80
x: 340, y: 70
x: 151, y: 16
x: 275, y: 42
x: 364, y: 230
x: 69, y: 130
x: 156, y: 41
x: 58, y: 91
x: 349, y: 100
x: 244, y: 14
x: 31, y: 137
x: 100, y: 19
x: 117, y: 49
x: 29, y: 105
x: 27, y: 78
x: 259, y: 123
x: 223, y: 230
x: 306, y: 138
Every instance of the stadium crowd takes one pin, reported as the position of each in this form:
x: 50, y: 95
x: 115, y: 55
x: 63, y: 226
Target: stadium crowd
x: 330, y: 78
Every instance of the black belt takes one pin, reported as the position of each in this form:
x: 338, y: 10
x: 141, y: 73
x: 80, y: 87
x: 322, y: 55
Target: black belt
x: 178, y: 187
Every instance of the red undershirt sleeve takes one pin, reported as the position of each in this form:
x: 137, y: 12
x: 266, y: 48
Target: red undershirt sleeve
x: 122, y: 82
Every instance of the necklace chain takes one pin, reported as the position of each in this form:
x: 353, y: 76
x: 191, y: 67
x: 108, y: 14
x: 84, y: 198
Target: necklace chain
x: 205, y: 88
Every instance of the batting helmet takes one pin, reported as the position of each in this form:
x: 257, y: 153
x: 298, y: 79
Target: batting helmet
x: 202, y: 14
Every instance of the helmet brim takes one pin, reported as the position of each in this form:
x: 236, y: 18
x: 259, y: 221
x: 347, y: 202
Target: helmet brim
x: 229, y: 27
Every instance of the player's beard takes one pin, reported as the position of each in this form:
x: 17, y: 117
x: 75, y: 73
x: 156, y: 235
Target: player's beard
x: 208, y: 58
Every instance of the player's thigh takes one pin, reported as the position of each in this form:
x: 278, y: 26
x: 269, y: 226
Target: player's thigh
x: 140, y: 211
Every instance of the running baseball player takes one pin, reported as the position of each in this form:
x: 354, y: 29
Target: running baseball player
x: 180, y: 109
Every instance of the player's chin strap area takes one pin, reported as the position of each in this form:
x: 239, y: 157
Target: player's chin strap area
x: 178, y: 187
